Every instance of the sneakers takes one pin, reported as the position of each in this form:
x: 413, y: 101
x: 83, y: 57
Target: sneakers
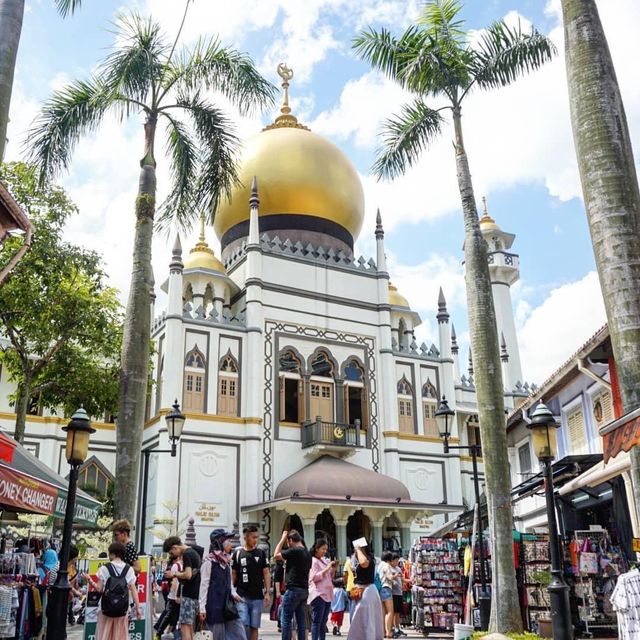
x: 336, y: 631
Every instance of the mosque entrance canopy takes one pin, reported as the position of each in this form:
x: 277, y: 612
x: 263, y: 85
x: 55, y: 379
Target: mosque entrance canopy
x: 346, y: 487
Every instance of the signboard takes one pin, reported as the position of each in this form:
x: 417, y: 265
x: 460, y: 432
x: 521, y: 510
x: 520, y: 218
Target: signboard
x: 25, y: 493
x: 138, y: 629
x: 635, y: 545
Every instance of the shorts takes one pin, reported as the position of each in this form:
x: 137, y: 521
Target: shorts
x: 337, y: 618
x: 385, y: 594
x: 189, y: 608
x: 250, y: 612
x: 398, y: 604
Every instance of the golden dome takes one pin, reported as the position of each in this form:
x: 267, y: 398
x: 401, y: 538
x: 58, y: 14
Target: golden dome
x: 487, y: 223
x: 202, y: 255
x: 298, y: 172
x: 395, y: 298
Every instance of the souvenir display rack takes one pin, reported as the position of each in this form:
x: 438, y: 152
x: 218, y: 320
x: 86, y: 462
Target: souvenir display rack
x: 438, y: 586
x: 592, y: 589
x: 534, y: 571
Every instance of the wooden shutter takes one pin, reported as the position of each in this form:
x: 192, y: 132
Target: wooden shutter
x: 605, y: 409
x: 301, y: 416
x: 577, y: 435
x: 345, y: 403
x: 365, y: 409
x: 233, y: 397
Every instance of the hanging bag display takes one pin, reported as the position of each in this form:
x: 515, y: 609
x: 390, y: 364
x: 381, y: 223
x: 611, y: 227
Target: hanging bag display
x: 588, y: 562
x: 202, y: 633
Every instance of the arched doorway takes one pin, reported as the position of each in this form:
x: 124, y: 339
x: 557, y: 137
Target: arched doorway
x: 391, y: 539
x: 293, y: 522
x: 359, y: 525
x: 326, y: 528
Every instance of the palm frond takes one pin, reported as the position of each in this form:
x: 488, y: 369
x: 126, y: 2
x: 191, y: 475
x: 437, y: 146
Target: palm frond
x: 210, y: 65
x: 184, y: 155
x: 438, y: 17
x: 136, y: 63
x: 404, y: 137
x: 381, y: 50
x: 67, y: 7
x: 504, y: 54
x: 71, y: 112
x: 216, y: 173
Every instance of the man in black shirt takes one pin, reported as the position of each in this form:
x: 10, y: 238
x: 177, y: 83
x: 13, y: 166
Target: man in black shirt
x: 189, y: 579
x: 298, y: 564
x: 252, y: 579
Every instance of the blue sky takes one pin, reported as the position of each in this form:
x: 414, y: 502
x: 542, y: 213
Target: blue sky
x: 519, y: 143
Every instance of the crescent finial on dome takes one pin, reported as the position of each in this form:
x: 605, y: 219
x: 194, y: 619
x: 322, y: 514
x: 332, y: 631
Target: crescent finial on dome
x: 286, y: 118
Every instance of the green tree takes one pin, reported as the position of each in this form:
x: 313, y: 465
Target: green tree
x: 61, y: 322
x: 610, y: 190
x: 11, y: 14
x: 145, y: 75
x: 436, y: 61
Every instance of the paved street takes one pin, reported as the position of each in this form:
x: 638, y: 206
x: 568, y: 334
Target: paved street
x: 269, y: 631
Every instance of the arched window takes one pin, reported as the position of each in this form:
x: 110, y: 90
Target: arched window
x: 194, y: 373
x: 403, y: 339
x: 95, y: 478
x: 188, y: 293
x: 429, y: 406
x: 291, y: 390
x: 405, y: 406
x: 228, y: 380
x: 321, y: 387
x: 355, y: 394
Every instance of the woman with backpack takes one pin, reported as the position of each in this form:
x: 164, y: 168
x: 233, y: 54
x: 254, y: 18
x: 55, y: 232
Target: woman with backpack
x: 116, y: 580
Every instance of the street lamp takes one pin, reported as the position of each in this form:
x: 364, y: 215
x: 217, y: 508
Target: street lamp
x: 78, y: 431
x: 175, y: 423
x: 444, y: 414
x: 544, y: 441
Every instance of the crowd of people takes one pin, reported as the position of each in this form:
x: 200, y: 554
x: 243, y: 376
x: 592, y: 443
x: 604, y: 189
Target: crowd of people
x: 226, y: 590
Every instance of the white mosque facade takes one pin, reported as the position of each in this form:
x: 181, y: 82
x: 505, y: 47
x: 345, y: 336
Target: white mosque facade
x: 308, y: 402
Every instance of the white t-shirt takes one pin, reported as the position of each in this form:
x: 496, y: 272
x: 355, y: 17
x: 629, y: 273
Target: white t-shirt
x: 103, y: 573
x: 173, y: 591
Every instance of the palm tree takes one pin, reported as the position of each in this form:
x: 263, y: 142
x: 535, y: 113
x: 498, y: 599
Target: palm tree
x: 146, y: 76
x: 11, y: 14
x: 610, y: 190
x: 434, y: 60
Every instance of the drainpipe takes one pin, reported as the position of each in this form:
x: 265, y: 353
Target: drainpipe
x: 582, y: 367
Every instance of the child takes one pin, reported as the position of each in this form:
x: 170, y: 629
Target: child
x: 339, y: 605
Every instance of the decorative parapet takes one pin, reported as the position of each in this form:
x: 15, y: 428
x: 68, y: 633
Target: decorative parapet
x: 504, y: 259
x: 210, y: 315
x: 413, y: 351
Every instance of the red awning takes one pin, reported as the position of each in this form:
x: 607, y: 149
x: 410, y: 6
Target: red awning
x: 7, y: 447
x: 622, y: 437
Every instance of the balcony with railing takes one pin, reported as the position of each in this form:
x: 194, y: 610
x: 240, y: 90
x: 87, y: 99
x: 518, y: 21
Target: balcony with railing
x: 336, y: 436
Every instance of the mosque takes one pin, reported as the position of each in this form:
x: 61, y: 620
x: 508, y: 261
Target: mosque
x: 309, y: 403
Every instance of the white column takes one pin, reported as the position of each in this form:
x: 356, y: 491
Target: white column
x: 507, y: 326
x: 405, y: 537
x: 377, y: 538
x: 309, y: 526
x: 341, y: 539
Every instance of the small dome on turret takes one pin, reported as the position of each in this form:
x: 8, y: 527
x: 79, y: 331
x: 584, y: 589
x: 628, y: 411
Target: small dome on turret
x: 202, y: 255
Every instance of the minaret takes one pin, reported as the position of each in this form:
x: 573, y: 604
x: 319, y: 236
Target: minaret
x: 454, y: 355
x: 174, y: 351
x: 381, y: 258
x: 444, y: 338
x: 504, y: 270
x: 252, y: 385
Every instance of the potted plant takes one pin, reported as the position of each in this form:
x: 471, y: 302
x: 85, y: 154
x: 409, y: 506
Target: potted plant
x: 545, y: 628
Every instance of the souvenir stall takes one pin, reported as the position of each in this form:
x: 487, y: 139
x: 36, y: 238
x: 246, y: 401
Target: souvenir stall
x: 438, y: 592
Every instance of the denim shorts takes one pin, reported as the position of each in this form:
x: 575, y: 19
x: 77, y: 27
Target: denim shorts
x: 250, y: 612
x: 386, y: 594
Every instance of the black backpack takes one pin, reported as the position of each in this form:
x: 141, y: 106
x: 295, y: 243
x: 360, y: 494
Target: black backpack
x: 115, y: 597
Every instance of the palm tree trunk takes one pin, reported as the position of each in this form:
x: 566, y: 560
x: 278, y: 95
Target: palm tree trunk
x: 22, y: 404
x: 610, y: 190
x: 505, y: 607
x: 135, y: 341
x: 11, y: 13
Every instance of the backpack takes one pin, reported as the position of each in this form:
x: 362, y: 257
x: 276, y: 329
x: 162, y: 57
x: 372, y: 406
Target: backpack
x: 115, y: 597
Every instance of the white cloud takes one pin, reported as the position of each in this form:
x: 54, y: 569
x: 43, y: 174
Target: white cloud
x: 517, y: 135
x: 549, y: 333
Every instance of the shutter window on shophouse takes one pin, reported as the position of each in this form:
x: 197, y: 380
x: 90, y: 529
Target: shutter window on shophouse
x: 602, y: 408
x: 577, y: 439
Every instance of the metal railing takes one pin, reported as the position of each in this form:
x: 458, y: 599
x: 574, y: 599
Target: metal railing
x: 319, y: 432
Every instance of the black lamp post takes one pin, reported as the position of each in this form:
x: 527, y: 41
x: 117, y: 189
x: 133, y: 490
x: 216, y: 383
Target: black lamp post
x: 78, y: 431
x: 175, y: 423
x: 544, y: 440
x: 443, y: 414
